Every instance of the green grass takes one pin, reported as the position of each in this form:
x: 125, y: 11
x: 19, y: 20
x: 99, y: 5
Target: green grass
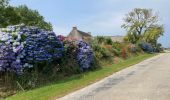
x: 75, y: 82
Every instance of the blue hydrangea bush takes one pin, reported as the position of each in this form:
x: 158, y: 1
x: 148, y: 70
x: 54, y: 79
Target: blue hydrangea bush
x: 23, y: 46
x: 84, y: 55
x: 146, y: 47
x: 33, y: 56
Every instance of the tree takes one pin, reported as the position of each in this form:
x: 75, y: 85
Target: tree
x: 17, y: 15
x: 131, y: 37
x: 138, y: 22
x: 4, y: 3
x: 32, y: 17
x: 152, y: 35
x: 9, y: 17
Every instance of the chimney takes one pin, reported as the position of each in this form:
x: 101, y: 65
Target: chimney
x: 75, y: 28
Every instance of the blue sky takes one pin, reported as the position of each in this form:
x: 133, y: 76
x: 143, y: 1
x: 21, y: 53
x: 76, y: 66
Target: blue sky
x: 101, y: 17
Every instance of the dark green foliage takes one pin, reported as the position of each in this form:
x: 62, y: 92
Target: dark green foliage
x: 116, y: 52
x: 100, y: 52
x: 117, y: 48
x: 103, y: 40
x: 3, y: 3
x: 117, y: 45
x: 158, y: 48
x: 100, y: 39
x: 105, y: 53
x: 32, y: 17
x: 95, y: 64
x: 108, y: 41
x: 8, y: 16
x: 69, y: 64
x: 17, y: 15
x: 104, y: 47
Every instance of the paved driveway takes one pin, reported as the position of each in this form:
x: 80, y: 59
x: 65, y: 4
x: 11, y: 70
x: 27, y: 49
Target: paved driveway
x: 148, y: 80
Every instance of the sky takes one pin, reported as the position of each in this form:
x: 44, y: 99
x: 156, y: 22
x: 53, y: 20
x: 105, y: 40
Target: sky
x: 100, y: 17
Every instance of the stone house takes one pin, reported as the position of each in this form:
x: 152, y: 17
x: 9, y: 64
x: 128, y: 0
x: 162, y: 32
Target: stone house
x: 76, y: 34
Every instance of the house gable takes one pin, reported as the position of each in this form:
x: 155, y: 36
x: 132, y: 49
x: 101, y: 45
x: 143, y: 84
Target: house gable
x: 78, y: 35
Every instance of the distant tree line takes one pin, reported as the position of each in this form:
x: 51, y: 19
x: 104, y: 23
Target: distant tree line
x: 10, y: 15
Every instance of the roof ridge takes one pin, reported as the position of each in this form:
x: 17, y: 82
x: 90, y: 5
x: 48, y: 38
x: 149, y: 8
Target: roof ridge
x: 85, y: 33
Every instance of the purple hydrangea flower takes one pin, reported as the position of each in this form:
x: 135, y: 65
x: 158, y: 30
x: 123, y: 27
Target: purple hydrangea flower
x: 84, y: 55
x: 22, y: 46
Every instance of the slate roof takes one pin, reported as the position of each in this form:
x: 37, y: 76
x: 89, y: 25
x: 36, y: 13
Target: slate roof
x: 83, y: 33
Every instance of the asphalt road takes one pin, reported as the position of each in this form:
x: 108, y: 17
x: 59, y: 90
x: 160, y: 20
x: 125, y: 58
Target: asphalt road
x: 148, y: 80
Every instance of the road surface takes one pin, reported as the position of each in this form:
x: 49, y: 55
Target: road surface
x: 148, y: 80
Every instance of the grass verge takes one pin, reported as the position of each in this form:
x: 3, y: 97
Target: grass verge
x: 76, y: 82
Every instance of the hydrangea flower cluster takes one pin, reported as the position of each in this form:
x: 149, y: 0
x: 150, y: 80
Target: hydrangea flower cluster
x: 147, y: 47
x: 84, y: 55
x: 22, y: 46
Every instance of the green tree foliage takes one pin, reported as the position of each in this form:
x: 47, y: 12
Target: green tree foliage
x: 32, y: 17
x: 9, y: 17
x: 152, y: 34
x: 3, y: 3
x: 17, y: 15
x: 131, y: 37
x: 141, y: 24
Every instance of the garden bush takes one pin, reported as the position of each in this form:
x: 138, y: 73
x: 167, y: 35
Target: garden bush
x: 69, y: 64
x: 108, y: 41
x: 100, y: 52
x: 146, y: 47
x: 28, y: 55
x: 78, y: 56
x: 84, y: 55
x: 117, y: 47
x: 23, y: 46
x: 100, y: 39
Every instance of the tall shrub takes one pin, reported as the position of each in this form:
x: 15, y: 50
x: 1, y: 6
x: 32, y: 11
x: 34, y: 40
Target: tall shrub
x: 84, y: 55
x: 23, y: 46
